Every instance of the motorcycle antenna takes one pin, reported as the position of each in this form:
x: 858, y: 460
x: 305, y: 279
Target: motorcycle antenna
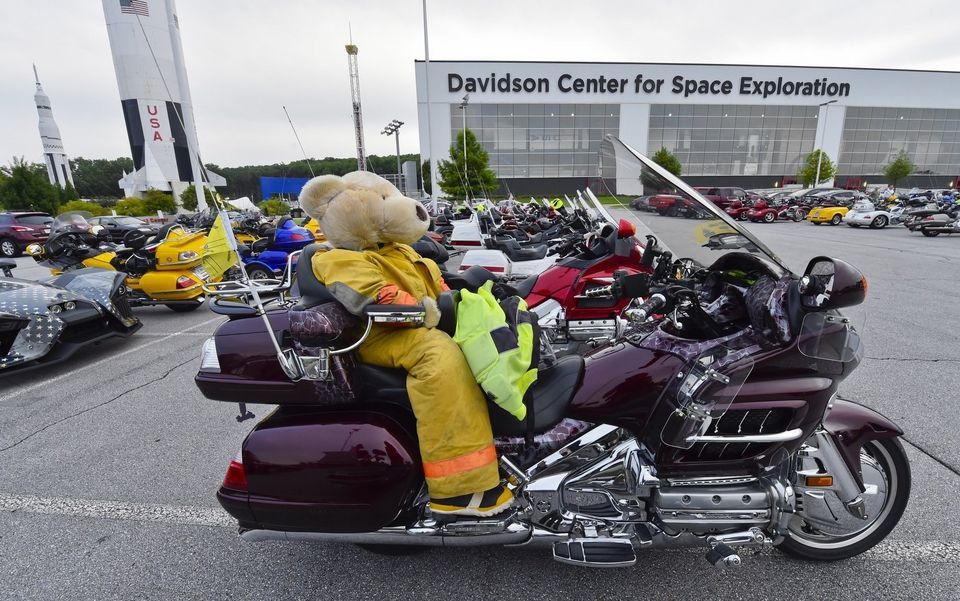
x: 297, y: 136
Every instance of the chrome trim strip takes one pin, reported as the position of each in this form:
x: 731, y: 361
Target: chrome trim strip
x: 776, y: 437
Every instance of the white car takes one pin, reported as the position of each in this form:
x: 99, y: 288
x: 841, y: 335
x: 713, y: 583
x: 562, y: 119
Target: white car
x: 866, y: 214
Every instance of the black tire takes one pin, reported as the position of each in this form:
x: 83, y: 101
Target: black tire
x: 929, y: 233
x: 769, y: 218
x: 803, y: 214
x: 742, y: 216
x: 183, y: 308
x: 9, y: 248
x: 394, y: 550
x: 889, y: 454
x: 836, y: 220
x: 880, y: 222
x: 798, y: 216
x: 259, y: 273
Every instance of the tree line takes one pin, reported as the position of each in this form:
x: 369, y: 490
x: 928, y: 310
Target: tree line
x: 97, y: 178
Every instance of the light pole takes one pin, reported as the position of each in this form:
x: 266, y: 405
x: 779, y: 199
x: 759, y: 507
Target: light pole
x: 393, y: 128
x: 463, y: 109
x: 819, y: 150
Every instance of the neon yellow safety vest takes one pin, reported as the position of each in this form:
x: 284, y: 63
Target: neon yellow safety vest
x: 500, y: 347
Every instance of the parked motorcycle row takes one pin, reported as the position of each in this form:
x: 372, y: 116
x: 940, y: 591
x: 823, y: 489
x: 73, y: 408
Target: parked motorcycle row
x: 97, y: 281
x: 930, y: 213
x: 687, y: 395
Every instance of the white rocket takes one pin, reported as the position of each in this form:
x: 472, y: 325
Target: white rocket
x: 155, y: 96
x: 58, y: 166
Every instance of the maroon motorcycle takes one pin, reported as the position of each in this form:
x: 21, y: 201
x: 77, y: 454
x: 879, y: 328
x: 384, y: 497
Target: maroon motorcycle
x: 711, y: 420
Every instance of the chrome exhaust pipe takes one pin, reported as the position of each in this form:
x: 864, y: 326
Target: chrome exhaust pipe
x: 454, y: 534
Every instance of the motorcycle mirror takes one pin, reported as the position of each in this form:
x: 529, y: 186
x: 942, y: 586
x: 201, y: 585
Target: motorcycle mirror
x: 831, y: 284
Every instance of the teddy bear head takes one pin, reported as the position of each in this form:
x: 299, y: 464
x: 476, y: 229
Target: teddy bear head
x: 361, y: 209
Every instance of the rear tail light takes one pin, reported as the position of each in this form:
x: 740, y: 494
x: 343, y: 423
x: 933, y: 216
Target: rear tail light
x: 493, y: 268
x: 297, y: 237
x: 209, y: 361
x: 236, y: 478
x: 465, y: 243
x: 185, y: 282
x: 20, y: 228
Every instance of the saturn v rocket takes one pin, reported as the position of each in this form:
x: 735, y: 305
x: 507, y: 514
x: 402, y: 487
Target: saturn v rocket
x: 58, y: 166
x: 155, y: 96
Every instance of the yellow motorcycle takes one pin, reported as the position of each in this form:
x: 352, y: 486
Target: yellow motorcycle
x: 162, y: 269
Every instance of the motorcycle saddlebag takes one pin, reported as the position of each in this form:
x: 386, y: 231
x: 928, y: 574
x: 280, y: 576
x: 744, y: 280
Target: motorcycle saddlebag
x: 330, y: 470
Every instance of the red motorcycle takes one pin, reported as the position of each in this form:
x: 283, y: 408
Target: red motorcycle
x: 761, y: 211
x: 711, y: 420
x: 738, y: 209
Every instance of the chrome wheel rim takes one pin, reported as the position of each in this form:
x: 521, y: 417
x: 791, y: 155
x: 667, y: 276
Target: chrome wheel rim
x: 829, y: 525
x: 8, y: 248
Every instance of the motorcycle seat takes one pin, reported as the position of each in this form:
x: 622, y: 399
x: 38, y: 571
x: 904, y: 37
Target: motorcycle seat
x: 550, y: 395
x: 516, y: 253
x: 525, y: 287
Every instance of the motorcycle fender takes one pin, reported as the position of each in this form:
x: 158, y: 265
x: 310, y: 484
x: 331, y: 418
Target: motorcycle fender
x: 852, y: 425
x: 162, y: 285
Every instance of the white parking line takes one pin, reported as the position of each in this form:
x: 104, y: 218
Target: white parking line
x: 44, y: 383
x: 893, y: 551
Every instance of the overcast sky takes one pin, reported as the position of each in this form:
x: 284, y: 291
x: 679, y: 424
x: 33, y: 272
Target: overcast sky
x: 246, y: 58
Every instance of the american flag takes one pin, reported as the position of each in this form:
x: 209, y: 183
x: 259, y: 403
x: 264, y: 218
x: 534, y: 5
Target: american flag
x: 135, y: 7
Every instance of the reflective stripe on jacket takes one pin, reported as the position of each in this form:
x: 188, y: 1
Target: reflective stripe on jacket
x: 500, y: 344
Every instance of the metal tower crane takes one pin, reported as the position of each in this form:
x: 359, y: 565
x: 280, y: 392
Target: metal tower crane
x: 355, y: 97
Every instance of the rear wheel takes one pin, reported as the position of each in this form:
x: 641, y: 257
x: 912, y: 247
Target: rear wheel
x: 929, y: 233
x: 8, y: 248
x: 183, y: 308
x: 879, y: 223
x: 798, y: 216
x: 259, y: 273
x: 836, y: 220
x: 886, y: 474
x: 769, y: 218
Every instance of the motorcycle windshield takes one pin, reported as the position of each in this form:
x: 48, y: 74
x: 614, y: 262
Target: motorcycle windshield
x: 830, y: 336
x: 74, y: 221
x: 708, y: 386
x: 682, y: 221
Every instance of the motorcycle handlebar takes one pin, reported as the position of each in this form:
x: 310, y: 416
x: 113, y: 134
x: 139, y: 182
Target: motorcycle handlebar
x: 656, y: 301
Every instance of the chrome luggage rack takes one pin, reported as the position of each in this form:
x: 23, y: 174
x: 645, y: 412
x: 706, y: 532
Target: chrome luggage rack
x: 245, y: 288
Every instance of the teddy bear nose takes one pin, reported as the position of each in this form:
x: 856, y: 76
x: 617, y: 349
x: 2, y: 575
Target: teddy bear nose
x: 422, y: 213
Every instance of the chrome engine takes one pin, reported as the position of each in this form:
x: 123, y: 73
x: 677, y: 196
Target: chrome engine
x: 603, y: 486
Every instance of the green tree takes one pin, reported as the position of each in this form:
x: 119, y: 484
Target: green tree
x: 899, y: 168
x: 480, y: 180
x: 69, y: 193
x: 665, y: 159
x: 425, y: 177
x: 188, y: 198
x: 26, y: 188
x: 274, y: 207
x: 83, y: 205
x: 157, y: 200
x: 97, y: 178
x: 808, y: 172
x: 131, y: 206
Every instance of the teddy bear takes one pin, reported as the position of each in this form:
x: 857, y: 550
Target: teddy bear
x: 370, y: 226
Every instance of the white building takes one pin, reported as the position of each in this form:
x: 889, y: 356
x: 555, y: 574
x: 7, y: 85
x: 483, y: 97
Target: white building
x: 744, y: 125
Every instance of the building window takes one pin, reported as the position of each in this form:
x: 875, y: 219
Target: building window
x: 539, y: 140
x: 872, y: 137
x: 734, y: 139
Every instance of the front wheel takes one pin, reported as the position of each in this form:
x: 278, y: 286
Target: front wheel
x: 929, y: 233
x: 798, y: 216
x: 836, y: 220
x: 886, y: 476
x: 879, y: 223
x: 769, y: 217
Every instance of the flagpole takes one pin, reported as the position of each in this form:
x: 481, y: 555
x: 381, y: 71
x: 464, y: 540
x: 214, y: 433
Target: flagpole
x: 426, y: 71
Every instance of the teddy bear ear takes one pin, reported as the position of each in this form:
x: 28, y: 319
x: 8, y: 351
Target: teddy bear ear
x: 318, y: 192
x: 370, y: 181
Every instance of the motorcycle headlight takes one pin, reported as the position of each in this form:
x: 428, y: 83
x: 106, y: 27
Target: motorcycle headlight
x: 69, y: 306
x: 187, y: 255
x: 209, y: 362
x: 55, y: 308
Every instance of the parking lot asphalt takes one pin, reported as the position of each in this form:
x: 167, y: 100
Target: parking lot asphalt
x: 109, y: 463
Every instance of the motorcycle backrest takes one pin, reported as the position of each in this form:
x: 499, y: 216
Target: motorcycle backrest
x: 312, y: 290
